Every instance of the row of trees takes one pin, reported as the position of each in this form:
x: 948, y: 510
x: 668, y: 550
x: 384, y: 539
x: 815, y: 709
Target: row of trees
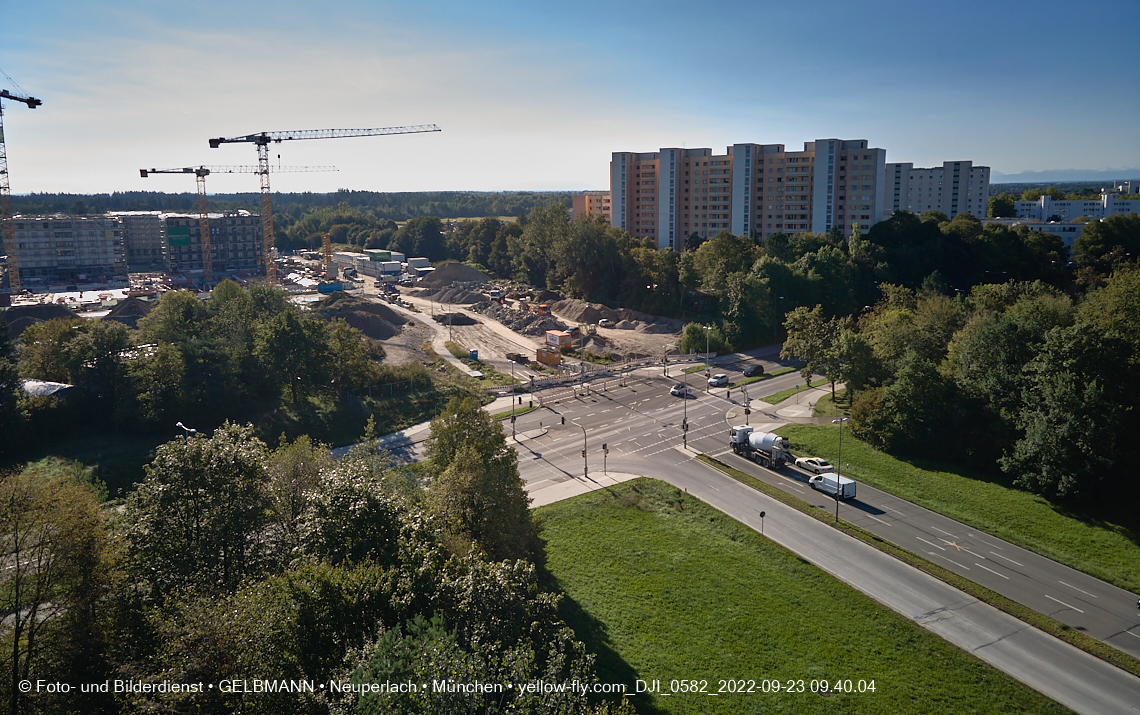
x: 1018, y: 376
x: 191, y: 360
x: 235, y: 561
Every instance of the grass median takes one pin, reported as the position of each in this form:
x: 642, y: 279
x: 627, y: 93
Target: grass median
x: 663, y: 587
x: 1049, y: 625
x: 778, y: 397
x: 1094, y: 545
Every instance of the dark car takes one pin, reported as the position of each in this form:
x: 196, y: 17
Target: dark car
x: 753, y: 370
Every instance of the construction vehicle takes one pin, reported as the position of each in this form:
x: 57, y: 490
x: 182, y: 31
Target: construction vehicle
x: 6, y: 211
x: 200, y: 173
x: 539, y: 308
x: 590, y: 329
x: 263, y: 139
x: 765, y: 448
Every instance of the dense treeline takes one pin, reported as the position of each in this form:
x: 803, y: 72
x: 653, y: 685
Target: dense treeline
x: 234, y: 561
x: 398, y: 206
x: 1017, y: 376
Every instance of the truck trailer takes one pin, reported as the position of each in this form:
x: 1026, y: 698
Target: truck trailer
x: 765, y: 448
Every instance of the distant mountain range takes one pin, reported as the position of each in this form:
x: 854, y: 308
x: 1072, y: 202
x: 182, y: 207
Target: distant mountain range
x: 1036, y: 177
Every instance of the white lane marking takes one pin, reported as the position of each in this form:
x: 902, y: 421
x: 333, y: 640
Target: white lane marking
x: 929, y: 543
x: 993, y: 572
x: 591, y: 414
x: 1006, y: 558
x: 944, y: 532
x: 879, y: 520
x: 1063, y: 603
x: 963, y: 548
x: 975, y: 536
x: 967, y: 568
x: 1077, y: 589
x: 607, y: 410
x: 1132, y: 634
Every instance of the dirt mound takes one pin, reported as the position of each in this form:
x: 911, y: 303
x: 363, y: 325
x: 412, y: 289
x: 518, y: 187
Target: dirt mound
x: 458, y: 296
x: 375, y: 320
x: 455, y: 319
x: 445, y: 274
x: 129, y: 311
x: 579, y: 311
x: 624, y: 325
x: 655, y: 328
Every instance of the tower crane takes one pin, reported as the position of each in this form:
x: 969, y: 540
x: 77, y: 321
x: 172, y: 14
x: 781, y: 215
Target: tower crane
x: 201, y: 172
x: 6, y: 193
x: 263, y: 139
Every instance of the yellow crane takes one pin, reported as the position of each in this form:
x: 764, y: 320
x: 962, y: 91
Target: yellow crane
x: 201, y: 172
x: 263, y: 139
x: 6, y: 194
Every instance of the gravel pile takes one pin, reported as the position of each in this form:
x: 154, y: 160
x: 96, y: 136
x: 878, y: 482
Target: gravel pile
x: 518, y: 321
x: 375, y: 320
x: 458, y: 296
x: 445, y: 274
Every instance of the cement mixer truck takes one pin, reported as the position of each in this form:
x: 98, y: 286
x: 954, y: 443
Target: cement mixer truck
x: 765, y: 448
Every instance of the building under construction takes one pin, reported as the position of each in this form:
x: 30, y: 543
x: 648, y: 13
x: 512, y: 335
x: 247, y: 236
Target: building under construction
x: 87, y: 248
x: 236, y: 242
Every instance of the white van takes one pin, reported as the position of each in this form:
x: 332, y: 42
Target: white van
x: 831, y: 483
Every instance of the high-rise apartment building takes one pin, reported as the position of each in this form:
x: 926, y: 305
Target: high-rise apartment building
x: 69, y: 248
x: 235, y: 241
x: 751, y: 189
x: 953, y: 188
x: 591, y: 203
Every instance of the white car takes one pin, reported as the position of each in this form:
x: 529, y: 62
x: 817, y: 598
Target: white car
x: 718, y: 380
x: 605, y: 323
x: 679, y: 389
x: 815, y: 465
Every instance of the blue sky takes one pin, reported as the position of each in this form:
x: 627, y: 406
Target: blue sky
x: 536, y: 95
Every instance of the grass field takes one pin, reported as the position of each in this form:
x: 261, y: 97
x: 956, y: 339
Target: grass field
x: 839, y: 407
x: 1097, y: 546
x: 663, y: 587
x: 778, y: 397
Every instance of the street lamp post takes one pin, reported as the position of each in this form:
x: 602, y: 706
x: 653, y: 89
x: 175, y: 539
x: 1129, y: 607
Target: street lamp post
x: 774, y: 323
x: 839, y: 463
x: 513, y: 398
x: 707, y: 329
x: 585, y: 462
x: 188, y: 432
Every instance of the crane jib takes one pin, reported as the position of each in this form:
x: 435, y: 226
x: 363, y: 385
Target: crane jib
x: 264, y: 138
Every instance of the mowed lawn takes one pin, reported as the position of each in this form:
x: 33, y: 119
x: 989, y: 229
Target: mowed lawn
x: 1097, y: 546
x: 664, y: 587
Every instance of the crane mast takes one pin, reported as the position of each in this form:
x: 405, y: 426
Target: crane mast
x: 200, y: 174
x: 6, y: 211
x: 264, y: 139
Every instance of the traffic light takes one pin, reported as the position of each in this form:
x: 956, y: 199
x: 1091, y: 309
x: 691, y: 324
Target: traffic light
x: 747, y: 411
x: 583, y: 454
x: 564, y: 419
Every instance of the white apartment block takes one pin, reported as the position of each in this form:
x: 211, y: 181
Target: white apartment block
x: 1046, y: 209
x: 953, y: 188
x: 69, y: 248
x: 752, y: 189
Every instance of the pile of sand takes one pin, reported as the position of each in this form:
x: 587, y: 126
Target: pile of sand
x: 458, y: 296
x: 375, y: 320
x: 579, y: 311
x: 446, y: 274
x: 20, y: 317
x: 624, y: 325
x: 129, y: 310
x: 655, y: 328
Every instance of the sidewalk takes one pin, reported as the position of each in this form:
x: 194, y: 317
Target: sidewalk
x: 797, y: 408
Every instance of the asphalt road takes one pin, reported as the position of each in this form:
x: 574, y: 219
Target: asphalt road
x: 640, y: 424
